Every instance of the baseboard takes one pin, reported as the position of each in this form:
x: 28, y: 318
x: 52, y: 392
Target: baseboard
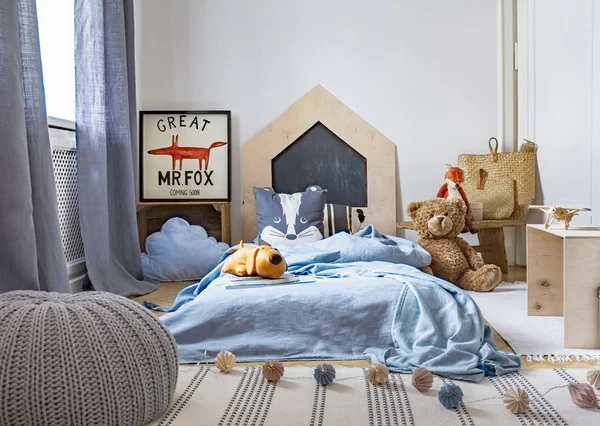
x: 78, y: 283
x: 78, y: 278
x: 511, y: 254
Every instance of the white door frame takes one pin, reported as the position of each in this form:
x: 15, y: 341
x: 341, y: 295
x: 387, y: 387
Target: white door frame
x: 595, y: 196
x: 526, y: 69
x: 526, y: 95
x: 507, y: 96
x: 527, y: 91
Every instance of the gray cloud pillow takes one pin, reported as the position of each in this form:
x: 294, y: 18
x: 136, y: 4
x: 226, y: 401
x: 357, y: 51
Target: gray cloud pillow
x: 284, y: 219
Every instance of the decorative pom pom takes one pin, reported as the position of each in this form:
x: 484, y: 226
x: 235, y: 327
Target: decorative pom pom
x: 225, y: 361
x: 593, y: 377
x: 583, y: 395
x: 422, y: 379
x: 378, y: 374
x: 324, y: 374
x: 516, y: 400
x: 272, y: 371
x: 450, y: 396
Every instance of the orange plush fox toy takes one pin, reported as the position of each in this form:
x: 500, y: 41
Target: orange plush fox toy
x: 452, y: 190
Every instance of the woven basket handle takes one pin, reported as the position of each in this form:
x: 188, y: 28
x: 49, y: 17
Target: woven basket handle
x: 494, y: 150
x: 482, y: 178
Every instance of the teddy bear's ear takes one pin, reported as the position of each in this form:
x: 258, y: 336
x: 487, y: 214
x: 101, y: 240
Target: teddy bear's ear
x: 413, y: 207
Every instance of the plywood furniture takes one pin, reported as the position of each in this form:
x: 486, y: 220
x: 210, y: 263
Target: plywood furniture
x: 319, y: 107
x: 563, y: 278
x: 491, y: 239
x: 214, y: 217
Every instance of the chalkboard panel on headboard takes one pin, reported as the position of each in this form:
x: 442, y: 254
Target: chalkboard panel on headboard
x: 319, y: 157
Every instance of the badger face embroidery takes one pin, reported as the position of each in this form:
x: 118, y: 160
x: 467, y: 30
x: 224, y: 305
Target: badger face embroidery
x: 291, y: 225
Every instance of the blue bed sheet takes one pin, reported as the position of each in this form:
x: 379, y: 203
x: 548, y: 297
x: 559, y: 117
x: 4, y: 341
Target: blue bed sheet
x: 367, y: 299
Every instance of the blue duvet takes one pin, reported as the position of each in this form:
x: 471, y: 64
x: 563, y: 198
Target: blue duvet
x: 365, y: 299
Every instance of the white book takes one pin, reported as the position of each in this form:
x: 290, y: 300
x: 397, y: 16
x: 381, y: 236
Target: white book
x: 234, y: 281
x: 254, y: 279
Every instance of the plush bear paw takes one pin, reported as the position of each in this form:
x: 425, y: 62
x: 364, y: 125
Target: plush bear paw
x: 492, y: 276
x: 427, y: 270
x: 485, y: 278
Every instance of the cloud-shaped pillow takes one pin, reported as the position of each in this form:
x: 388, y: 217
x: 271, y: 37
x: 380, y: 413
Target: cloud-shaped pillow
x: 180, y: 252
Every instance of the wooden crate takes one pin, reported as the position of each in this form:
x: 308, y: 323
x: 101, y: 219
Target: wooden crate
x: 214, y: 217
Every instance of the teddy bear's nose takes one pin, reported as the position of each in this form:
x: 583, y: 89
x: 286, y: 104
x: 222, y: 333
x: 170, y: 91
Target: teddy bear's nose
x: 275, y: 259
x: 440, y: 218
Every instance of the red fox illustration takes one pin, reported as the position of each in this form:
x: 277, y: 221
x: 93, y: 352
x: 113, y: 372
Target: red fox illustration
x: 186, y: 152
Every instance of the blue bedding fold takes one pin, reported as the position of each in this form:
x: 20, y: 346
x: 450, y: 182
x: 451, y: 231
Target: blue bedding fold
x: 368, y: 299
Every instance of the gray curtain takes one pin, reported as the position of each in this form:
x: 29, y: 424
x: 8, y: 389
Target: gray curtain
x: 31, y: 253
x: 106, y: 144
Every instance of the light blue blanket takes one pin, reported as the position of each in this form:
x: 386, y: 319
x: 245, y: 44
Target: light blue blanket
x: 367, y: 300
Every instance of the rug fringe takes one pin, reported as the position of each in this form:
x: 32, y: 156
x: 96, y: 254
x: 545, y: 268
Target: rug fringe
x: 561, y: 358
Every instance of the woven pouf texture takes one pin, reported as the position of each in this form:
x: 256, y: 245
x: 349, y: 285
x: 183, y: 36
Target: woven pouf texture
x: 89, y: 358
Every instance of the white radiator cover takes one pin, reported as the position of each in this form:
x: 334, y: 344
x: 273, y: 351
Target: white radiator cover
x: 64, y: 162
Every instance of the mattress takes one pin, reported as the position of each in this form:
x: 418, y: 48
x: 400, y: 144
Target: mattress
x: 366, y: 298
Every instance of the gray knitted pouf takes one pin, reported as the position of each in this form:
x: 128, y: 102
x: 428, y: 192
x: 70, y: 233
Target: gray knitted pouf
x: 82, y: 359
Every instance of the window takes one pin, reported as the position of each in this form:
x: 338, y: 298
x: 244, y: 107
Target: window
x: 57, y: 44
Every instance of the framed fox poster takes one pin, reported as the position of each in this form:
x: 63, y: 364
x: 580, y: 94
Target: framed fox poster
x: 185, y: 156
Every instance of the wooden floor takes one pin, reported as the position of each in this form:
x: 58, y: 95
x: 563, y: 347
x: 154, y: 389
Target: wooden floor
x: 166, y: 293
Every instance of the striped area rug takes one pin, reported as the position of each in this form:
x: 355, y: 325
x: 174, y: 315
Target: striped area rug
x: 205, y: 396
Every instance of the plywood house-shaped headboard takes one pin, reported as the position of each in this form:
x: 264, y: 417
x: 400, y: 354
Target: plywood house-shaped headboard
x: 320, y: 141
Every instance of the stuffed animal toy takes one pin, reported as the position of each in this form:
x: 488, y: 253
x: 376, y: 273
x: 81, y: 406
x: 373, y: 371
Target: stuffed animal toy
x: 250, y: 259
x: 439, y: 222
x: 452, y: 191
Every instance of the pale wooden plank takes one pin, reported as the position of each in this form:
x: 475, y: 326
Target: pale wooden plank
x: 544, y: 273
x: 479, y: 224
x: 572, y: 232
x: 318, y: 105
x: 144, y: 204
x: 225, y: 209
x: 582, y: 279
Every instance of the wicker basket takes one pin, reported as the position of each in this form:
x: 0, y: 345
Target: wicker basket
x: 516, y: 166
x: 497, y: 197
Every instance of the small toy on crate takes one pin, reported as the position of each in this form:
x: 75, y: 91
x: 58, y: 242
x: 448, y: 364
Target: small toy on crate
x: 252, y: 260
x: 453, y: 191
x: 562, y: 214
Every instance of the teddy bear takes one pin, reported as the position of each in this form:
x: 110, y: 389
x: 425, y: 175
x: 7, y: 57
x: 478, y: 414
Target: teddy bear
x: 252, y: 260
x: 439, y: 222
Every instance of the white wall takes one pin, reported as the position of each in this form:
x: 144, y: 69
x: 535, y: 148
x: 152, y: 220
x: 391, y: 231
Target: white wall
x: 559, y: 100
x: 425, y: 73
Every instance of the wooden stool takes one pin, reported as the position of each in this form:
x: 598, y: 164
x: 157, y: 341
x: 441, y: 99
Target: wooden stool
x: 491, y: 239
x: 562, y: 280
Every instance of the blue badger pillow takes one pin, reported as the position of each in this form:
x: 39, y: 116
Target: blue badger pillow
x: 284, y: 219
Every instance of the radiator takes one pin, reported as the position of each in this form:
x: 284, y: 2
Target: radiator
x: 64, y: 162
